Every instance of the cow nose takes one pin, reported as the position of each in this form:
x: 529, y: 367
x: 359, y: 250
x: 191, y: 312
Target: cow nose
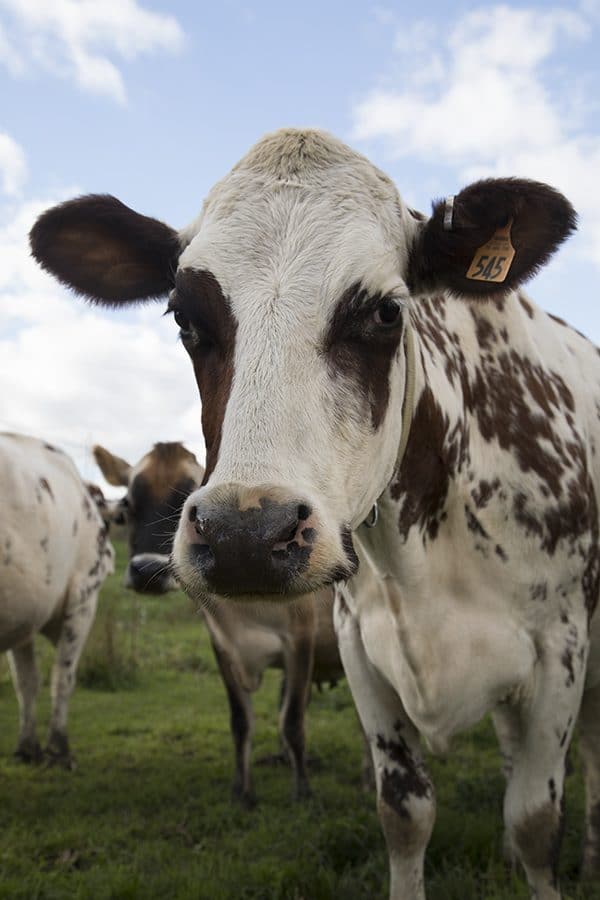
x: 256, y: 544
x: 149, y: 573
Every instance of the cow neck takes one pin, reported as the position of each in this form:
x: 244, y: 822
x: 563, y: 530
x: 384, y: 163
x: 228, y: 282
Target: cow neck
x: 408, y: 404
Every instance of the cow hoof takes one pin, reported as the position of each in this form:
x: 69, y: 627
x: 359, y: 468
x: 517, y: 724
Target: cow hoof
x: 58, y: 753
x: 59, y: 760
x: 246, y: 799
x: 302, y: 791
x: 29, y: 752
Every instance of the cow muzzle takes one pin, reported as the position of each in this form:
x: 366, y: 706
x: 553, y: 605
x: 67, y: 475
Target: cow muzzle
x: 234, y: 540
x: 150, y: 573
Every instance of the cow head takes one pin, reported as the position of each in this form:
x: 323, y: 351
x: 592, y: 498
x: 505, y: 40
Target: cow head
x: 156, y: 490
x: 292, y: 292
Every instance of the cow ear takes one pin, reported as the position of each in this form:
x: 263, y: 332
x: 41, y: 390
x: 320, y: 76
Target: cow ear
x: 106, y: 251
x: 467, y: 245
x: 115, y: 470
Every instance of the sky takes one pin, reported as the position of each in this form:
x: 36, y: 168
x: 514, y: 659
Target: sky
x: 154, y: 101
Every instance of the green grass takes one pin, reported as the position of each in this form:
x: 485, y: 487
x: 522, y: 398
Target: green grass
x: 146, y: 814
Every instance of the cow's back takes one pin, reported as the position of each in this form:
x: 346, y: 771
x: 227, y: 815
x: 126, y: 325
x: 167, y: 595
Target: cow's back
x: 48, y: 534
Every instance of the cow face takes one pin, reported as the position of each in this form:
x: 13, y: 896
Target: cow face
x: 156, y: 490
x: 292, y: 292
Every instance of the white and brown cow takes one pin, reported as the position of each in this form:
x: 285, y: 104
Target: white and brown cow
x: 350, y: 352
x: 54, y: 556
x: 297, y: 638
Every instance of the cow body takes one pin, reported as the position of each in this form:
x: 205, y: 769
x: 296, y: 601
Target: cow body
x: 55, y: 557
x: 350, y: 351
x: 298, y: 638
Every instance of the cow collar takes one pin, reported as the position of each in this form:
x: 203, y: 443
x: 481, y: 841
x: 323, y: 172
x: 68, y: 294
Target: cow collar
x: 407, y: 413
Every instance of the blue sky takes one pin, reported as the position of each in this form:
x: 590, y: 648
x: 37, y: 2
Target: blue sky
x: 154, y: 101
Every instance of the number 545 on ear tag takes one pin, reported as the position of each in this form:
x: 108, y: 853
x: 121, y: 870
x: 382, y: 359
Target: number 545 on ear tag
x: 492, y: 262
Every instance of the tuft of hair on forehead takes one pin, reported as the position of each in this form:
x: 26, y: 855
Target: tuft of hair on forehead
x: 170, y: 452
x: 291, y: 153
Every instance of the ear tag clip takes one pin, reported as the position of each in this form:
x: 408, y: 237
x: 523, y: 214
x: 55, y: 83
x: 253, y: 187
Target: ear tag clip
x: 492, y: 262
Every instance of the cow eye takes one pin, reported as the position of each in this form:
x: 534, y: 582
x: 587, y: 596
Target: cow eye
x: 181, y: 320
x: 388, y: 313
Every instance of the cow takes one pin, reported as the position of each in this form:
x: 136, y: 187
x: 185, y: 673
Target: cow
x: 54, y: 557
x: 298, y: 638
x: 359, y: 361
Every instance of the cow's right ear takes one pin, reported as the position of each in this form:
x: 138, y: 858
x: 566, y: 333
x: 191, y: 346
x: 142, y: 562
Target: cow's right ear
x: 115, y: 470
x: 106, y: 251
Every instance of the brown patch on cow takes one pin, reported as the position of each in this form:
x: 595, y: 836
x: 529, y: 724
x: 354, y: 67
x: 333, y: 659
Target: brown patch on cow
x: 7, y: 552
x: 402, y: 780
x: 538, y: 837
x: 251, y: 499
x: 358, y: 349
x: 526, y: 306
x: 484, y: 330
x: 539, y: 591
x: 484, y: 491
x: 434, y: 453
x: 474, y: 525
x: 211, y: 345
x: 558, y: 320
x: 44, y: 484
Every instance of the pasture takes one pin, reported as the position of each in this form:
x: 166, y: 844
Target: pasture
x: 147, y: 812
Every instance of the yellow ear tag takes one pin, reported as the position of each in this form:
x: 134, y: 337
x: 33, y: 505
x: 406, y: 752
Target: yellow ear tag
x: 492, y: 262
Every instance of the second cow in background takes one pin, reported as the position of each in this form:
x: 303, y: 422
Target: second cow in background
x: 298, y: 637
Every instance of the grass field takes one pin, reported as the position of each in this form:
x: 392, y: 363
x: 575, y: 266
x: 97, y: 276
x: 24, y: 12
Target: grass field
x: 147, y: 812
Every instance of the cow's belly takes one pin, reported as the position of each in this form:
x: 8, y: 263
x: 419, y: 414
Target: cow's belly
x: 33, y: 582
x: 447, y: 670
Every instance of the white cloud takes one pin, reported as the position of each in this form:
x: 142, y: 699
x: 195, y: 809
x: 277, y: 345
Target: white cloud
x: 75, y: 376
x: 492, y: 97
x: 13, y: 168
x: 75, y: 38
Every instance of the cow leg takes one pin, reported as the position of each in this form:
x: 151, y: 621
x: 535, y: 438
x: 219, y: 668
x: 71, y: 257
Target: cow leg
x: 23, y: 669
x: 536, y: 737
x: 242, y: 730
x: 75, y: 627
x: 589, y: 746
x: 295, y: 696
x: 405, y: 793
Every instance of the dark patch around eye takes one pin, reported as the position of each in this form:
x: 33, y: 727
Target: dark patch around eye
x: 199, y: 297
x: 358, y: 348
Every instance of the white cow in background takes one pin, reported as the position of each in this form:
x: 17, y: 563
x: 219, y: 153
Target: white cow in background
x: 54, y: 556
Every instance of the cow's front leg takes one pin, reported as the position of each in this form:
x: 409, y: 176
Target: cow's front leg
x: 242, y: 728
x: 294, y: 700
x: 535, y: 736
x: 71, y: 637
x: 405, y: 793
x: 23, y: 670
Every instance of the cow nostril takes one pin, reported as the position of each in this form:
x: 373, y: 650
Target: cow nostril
x: 304, y: 512
x: 192, y: 513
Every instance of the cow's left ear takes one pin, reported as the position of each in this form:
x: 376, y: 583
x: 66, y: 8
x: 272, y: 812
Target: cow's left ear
x: 105, y: 250
x: 490, y: 238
